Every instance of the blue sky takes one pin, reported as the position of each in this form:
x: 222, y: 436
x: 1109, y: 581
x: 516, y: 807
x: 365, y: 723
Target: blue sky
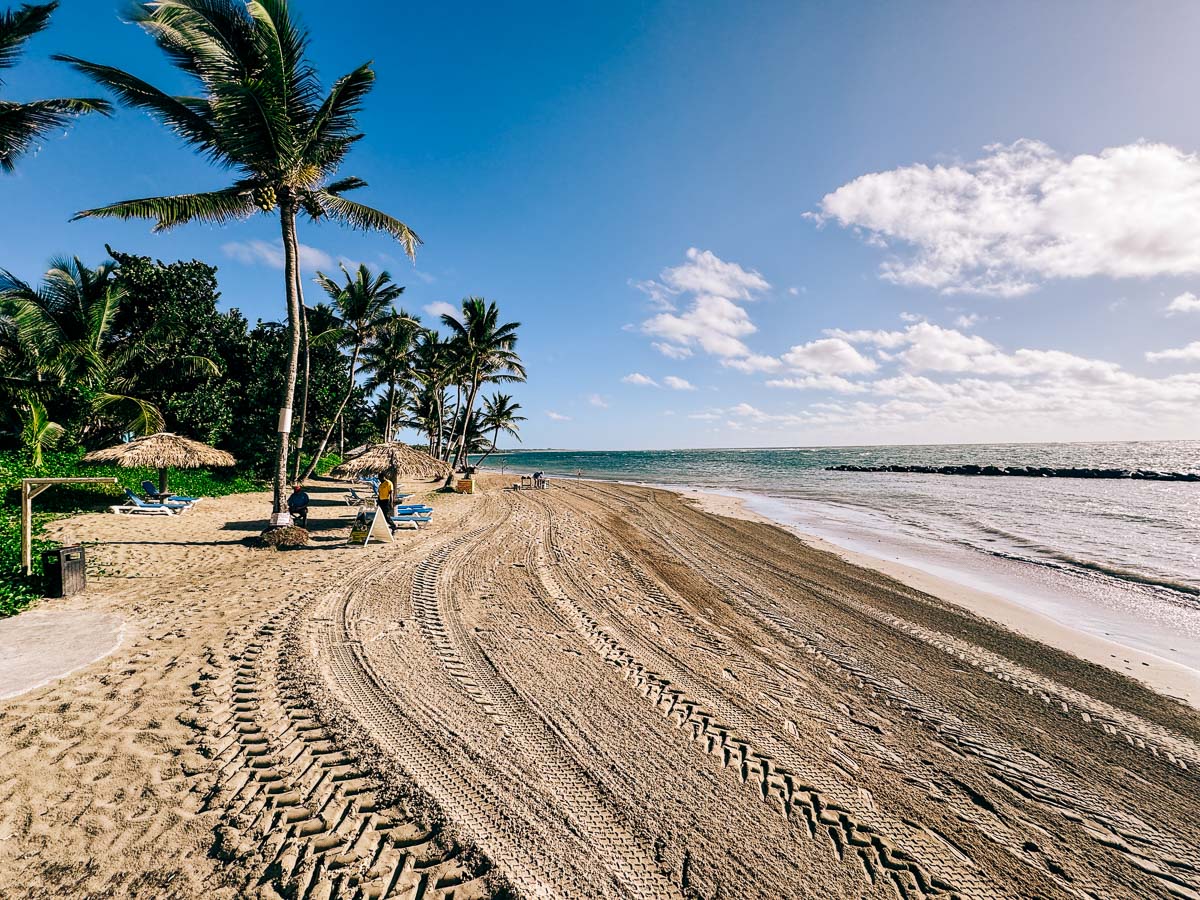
x: 670, y: 198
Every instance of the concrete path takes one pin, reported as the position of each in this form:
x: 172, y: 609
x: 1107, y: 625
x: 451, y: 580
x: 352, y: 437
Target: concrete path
x: 41, y: 646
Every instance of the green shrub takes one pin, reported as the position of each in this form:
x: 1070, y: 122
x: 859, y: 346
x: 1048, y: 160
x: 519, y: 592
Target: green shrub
x: 328, y: 461
x: 16, y: 591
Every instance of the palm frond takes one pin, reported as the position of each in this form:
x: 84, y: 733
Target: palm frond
x: 38, y: 432
x: 366, y: 218
x: 253, y: 121
x: 283, y: 45
x: 138, y: 415
x: 19, y: 25
x: 215, y: 207
x: 188, y: 117
x: 23, y: 124
x: 334, y: 119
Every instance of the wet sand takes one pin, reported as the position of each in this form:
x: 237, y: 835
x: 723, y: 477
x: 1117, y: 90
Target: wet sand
x: 591, y: 691
x: 1176, y: 681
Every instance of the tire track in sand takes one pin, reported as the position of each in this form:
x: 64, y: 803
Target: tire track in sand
x: 1147, y: 849
x: 298, y: 812
x: 510, y: 844
x: 777, y: 774
x: 630, y: 862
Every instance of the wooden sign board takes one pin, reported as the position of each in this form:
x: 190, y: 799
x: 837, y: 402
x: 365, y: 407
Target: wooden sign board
x: 368, y: 524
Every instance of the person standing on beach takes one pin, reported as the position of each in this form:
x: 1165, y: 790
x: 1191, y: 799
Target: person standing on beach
x: 386, y: 489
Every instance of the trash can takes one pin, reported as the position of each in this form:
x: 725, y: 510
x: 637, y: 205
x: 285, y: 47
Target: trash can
x: 66, y: 570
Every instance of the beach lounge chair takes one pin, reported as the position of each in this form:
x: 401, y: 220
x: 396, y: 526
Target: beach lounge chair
x: 414, y: 518
x: 141, y: 508
x: 170, y: 504
x: 154, y: 496
x: 354, y: 498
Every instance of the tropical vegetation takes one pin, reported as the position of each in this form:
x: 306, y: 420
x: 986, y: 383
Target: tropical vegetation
x: 259, y: 113
x: 108, y: 346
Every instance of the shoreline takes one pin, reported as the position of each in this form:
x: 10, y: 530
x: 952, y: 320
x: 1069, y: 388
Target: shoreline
x: 1171, y: 679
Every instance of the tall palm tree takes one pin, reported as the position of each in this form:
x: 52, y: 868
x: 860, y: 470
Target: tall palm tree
x: 386, y: 361
x: 485, y: 349
x: 500, y: 414
x: 433, y: 369
x: 364, y: 304
x: 259, y: 113
x: 22, y: 124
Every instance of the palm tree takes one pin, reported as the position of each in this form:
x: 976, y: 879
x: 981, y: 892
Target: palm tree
x: 364, y: 304
x: 500, y: 414
x: 259, y: 113
x: 64, y: 330
x: 386, y: 361
x: 22, y: 124
x: 433, y: 369
x: 485, y: 350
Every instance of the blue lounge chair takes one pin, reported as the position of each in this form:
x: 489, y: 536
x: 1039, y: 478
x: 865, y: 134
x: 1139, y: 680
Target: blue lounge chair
x: 155, y: 496
x: 171, y: 505
x: 415, y: 519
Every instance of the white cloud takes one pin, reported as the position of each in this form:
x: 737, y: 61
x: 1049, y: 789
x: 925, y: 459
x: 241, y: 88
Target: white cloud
x: 818, y: 383
x: 1188, y: 353
x: 597, y: 401
x: 967, y: 320
x: 440, y: 308
x: 709, y: 416
x: 1184, y: 303
x: 676, y: 383
x: 270, y: 253
x: 557, y: 417
x: 711, y: 290
x: 637, y: 378
x: 671, y: 351
x: 753, y: 363
x: 828, y: 356
x: 794, y: 291
x: 1022, y: 214
x: 864, y: 336
x: 953, y: 386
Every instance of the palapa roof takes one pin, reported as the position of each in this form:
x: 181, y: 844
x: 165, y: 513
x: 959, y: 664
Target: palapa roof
x: 375, y: 459
x: 162, y: 451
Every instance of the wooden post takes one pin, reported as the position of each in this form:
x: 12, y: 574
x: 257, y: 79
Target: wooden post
x: 30, y: 488
x: 162, y: 480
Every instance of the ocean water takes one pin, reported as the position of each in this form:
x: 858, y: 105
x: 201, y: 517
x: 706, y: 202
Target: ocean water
x: 1117, y: 558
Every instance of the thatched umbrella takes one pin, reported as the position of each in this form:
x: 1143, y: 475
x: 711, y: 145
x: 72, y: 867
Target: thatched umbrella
x: 162, y: 451
x: 393, y: 459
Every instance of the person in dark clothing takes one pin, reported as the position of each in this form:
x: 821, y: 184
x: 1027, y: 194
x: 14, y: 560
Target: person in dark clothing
x: 298, y: 506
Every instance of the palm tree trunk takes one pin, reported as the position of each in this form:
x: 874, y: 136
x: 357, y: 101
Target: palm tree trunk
x: 441, y: 420
x: 304, y: 395
x: 491, y: 449
x: 387, y: 437
x: 466, y: 422
x: 312, y: 465
x: 291, y: 255
x: 453, y: 420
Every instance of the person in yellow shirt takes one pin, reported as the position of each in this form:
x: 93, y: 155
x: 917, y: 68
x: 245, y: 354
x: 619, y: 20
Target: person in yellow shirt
x: 386, y: 489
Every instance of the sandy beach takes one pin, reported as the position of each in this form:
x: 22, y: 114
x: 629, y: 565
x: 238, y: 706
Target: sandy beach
x: 595, y: 690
